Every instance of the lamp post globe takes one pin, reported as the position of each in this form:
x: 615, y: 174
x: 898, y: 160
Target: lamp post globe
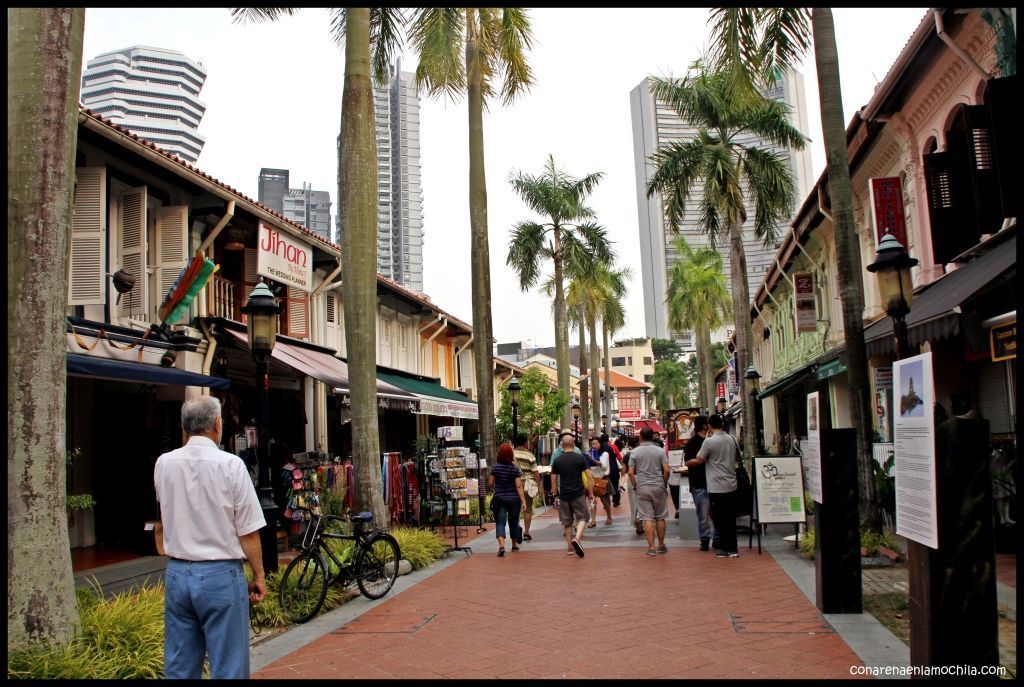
x: 895, y: 287
x: 513, y: 391
x: 261, y: 313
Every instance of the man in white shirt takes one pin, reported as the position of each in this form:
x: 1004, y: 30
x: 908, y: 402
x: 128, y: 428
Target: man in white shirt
x: 210, y: 520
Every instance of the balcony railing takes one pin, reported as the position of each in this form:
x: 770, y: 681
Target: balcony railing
x: 222, y: 299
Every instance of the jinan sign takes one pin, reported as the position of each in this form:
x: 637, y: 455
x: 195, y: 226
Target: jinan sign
x: 284, y: 258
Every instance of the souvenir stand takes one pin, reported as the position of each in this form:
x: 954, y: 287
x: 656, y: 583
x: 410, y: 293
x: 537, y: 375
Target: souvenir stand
x: 454, y: 482
x: 305, y: 477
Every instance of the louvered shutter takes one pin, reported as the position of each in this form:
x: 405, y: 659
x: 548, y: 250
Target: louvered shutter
x: 135, y: 303
x: 1003, y: 96
x: 948, y: 202
x: 250, y: 278
x: 87, y: 273
x: 298, y: 313
x: 982, y: 170
x: 385, y: 342
x: 331, y: 320
x: 171, y: 249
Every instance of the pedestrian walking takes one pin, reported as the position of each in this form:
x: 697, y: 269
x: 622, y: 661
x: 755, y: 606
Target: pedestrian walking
x: 508, y: 500
x: 674, y: 480
x: 648, y: 472
x: 600, y: 468
x: 698, y: 482
x: 631, y: 443
x: 213, y: 518
x: 527, y: 464
x: 614, y: 468
x: 571, y: 494
x: 718, y: 453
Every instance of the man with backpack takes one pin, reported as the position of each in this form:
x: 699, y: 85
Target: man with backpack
x: 719, y: 453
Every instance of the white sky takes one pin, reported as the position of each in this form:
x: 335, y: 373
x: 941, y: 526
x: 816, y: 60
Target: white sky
x: 273, y: 97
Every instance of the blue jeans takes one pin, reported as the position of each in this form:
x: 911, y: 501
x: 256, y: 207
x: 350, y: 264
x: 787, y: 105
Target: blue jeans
x: 702, y: 500
x: 206, y: 611
x: 508, y: 510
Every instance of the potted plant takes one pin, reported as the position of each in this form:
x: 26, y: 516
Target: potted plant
x: 76, y: 502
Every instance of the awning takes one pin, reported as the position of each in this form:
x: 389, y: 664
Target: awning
x: 653, y: 424
x: 787, y: 381
x: 332, y: 371
x: 121, y: 371
x: 831, y: 369
x: 434, y: 399
x: 932, y: 316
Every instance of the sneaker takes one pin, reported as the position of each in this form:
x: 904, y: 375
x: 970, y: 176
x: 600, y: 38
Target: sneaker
x: 734, y: 554
x: 677, y: 515
x: 704, y: 546
x: 662, y: 549
x: 721, y: 554
x: 577, y: 547
x: 652, y: 552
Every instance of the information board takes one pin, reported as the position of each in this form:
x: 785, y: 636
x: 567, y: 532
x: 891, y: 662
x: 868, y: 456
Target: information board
x: 914, y: 429
x: 780, y: 489
x: 812, y: 449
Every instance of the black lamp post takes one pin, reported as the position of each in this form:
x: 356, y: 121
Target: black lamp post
x: 892, y: 269
x: 604, y: 424
x: 513, y: 392
x: 615, y: 419
x: 261, y: 313
x: 576, y: 422
x: 752, y: 376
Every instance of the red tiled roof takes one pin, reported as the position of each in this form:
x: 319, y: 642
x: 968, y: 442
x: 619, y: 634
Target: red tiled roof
x: 422, y: 298
x: 621, y: 381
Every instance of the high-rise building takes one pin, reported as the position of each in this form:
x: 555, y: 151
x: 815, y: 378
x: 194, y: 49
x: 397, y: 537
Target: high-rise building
x: 656, y: 124
x: 152, y: 92
x: 311, y: 209
x: 399, y: 191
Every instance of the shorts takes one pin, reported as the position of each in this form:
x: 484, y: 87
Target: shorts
x: 652, y: 502
x: 574, y: 511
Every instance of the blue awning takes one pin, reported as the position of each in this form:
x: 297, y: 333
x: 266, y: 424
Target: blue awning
x: 118, y: 370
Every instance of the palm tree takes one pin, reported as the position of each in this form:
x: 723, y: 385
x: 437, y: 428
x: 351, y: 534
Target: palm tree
x: 613, y: 318
x: 698, y: 300
x: 671, y: 385
x: 573, y: 237
x: 366, y: 33
x: 753, y: 45
x: 494, y: 41
x: 727, y: 172
x: 44, y: 61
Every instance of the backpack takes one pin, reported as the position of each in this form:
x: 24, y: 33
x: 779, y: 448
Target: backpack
x: 743, y: 489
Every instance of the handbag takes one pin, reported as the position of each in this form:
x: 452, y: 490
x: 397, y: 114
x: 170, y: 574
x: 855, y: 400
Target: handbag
x: 600, y: 486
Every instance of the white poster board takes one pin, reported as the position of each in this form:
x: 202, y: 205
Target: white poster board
x: 812, y: 448
x: 675, y: 458
x: 450, y: 433
x: 914, y: 429
x: 780, y: 489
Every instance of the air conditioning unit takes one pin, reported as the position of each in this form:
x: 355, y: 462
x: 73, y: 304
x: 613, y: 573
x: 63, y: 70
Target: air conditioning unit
x: 468, y: 391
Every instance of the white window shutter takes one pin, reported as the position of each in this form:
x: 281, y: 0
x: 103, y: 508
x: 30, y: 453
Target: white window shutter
x: 87, y: 275
x: 135, y: 303
x: 331, y: 329
x: 298, y: 313
x: 171, y: 249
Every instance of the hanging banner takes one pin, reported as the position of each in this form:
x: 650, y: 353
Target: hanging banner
x: 812, y: 449
x: 883, y: 378
x: 806, y: 308
x: 631, y: 414
x: 780, y: 489
x: 284, y: 258
x: 886, y: 197
x: 914, y: 430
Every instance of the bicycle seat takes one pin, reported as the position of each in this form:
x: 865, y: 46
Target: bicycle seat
x: 365, y: 516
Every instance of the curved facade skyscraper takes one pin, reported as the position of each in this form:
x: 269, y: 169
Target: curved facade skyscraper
x: 152, y: 92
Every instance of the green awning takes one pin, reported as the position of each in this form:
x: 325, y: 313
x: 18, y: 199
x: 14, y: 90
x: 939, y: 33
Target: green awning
x: 786, y: 382
x: 831, y: 369
x: 434, y: 399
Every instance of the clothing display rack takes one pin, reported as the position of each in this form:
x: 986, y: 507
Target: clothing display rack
x: 401, y: 488
x: 306, y: 476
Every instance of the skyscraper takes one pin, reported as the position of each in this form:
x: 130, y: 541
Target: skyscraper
x: 311, y: 209
x: 399, y: 191
x: 656, y: 124
x: 152, y: 92
x: 272, y: 188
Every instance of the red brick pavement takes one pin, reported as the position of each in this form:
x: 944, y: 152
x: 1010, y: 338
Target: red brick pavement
x: 543, y: 614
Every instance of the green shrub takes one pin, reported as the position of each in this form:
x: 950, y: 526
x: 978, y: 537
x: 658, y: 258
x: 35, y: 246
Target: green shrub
x: 420, y: 547
x: 806, y: 543
x: 871, y: 540
x: 268, y: 612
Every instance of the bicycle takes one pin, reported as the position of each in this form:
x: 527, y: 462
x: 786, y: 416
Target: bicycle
x: 306, y: 579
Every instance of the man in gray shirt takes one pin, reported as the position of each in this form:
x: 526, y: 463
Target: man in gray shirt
x: 719, y: 452
x: 648, y: 473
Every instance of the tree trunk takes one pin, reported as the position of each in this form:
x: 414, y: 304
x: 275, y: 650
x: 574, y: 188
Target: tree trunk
x: 561, y: 328
x: 584, y: 383
x: 44, y: 63
x: 702, y: 372
x: 707, y: 363
x: 607, y: 374
x: 357, y: 180
x: 741, y: 314
x: 483, y: 360
x: 595, y: 398
x: 826, y: 59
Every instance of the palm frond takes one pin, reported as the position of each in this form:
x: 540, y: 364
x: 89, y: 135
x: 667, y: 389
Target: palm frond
x: 438, y: 34
x: 242, y: 15
x: 677, y: 167
x: 697, y: 98
x: 771, y: 188
x: 514, y: 39
x: 786, y: 36
x: 526, y: 250
x: 734, y: 43
x: 769, y: 120
x: 595, y: 238
x: 386, y: 26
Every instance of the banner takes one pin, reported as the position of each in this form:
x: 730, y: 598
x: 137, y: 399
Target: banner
x: 812, y: 449
x: 284, y: 258
x: 914, y: 428
x: 780, y: 489
x: 806, y: 308
x: 886, y: 197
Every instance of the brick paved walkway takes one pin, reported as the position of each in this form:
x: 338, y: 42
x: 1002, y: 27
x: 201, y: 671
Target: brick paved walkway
x: 539, y: 613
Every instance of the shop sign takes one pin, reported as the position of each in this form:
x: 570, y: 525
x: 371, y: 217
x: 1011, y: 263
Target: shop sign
x: 883, y: 378
x: 448, y: 409
x: 887, y: 208
x: 284, y: 258
x: 396, y: 404
x: 812, y: 449
x: 719, y: 391
x: 1003, y: 340
x: 806, y: 309
x: 450, y: 433
x: 633, y: 414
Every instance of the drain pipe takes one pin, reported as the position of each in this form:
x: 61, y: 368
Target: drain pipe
x: 960, y: 52
x: 211, y: 348
x: 444, y: 325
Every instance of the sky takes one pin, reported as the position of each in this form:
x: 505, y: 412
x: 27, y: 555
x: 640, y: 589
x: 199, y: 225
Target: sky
x: 273, y: 97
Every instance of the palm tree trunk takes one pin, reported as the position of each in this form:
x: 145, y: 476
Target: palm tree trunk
x: 561, y: 327
x: 595, y: 398
x: 481, y: 263
x: 607, y: 374
x: 741, y: 315
x: 584, y: 383
x: 358, y: 192
x: 44, y: 53
x: 707, y: 363
x: 826, y: 59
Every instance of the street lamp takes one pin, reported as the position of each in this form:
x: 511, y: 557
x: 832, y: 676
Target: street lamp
x: 576, y: 422
x: 604, y: 424
x: 752, y: 375
x: 261, y: 313
x: 513, y: 392
x: 892, y: 270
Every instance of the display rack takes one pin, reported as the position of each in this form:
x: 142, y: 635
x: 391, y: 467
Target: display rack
x: 451, y: 456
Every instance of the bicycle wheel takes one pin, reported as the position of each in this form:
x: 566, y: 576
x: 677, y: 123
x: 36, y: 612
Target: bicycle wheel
x: 377, y: 565
x: 303, y: 587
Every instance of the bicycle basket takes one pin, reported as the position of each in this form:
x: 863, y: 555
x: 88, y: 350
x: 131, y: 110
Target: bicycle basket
x: 306, y: 535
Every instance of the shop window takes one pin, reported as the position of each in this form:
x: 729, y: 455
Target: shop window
x: 619, y: 362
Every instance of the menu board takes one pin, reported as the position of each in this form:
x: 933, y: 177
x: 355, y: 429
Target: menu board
x: 780, y: 489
